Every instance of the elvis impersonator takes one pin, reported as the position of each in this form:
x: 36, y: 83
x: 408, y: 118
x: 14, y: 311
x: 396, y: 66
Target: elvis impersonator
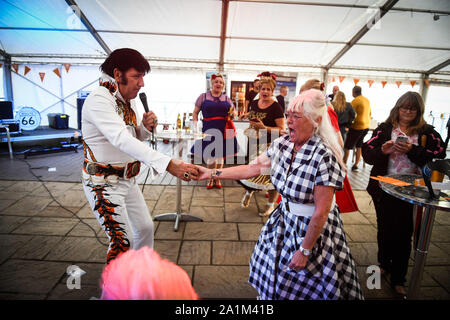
x: 114, y: 149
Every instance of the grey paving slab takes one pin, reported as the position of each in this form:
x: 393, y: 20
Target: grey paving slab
x: 10, y: 223
x: 37, y: 247
x: 361, y: 233
x: 202, y: 192
x: 71, y: 198
x: 24, y: 186
x: 234, y: 194
x: 77, y: 250
x: 223, y: 282
x: 437, y: 256
x: 211, y: 231
x: 195, y: 252
x: 86, y: 228
x: 207, y: 202
x: 13, y: 195
x: 165, y: 231
x: 442, y: 217
x: 5, y: 203
x: 441, y: 274
x: 209, y: 214
x: 9, y: 244
x: 152, y: 192
x: 58, y: 212
x: 354, y: 218
x: 235, y: 213
x: 249, y: 231
x: 26, y: 276
x: 440, y: 234
x: 232, y: 252
x: 47, y: 226
x: 364, y: 254
x: 28, y: 206
x: 168, y: 249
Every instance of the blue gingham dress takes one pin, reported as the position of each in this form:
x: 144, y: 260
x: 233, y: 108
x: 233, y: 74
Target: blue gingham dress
x: 330, y: 272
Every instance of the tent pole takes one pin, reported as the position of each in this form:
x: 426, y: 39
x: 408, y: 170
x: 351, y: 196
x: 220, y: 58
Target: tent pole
x: 424, y: 88
x: 223, y: 33
x: 325, y: 79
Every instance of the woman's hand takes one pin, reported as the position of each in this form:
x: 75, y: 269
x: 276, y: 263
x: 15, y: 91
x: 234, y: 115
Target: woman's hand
x: 388, y: 147
x: 402, y: 147
x: 257, y: 124
x: 298, y: 261
x: 203, y: 173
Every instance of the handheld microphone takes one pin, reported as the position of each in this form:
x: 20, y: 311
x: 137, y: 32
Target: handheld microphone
x: 143, y: 98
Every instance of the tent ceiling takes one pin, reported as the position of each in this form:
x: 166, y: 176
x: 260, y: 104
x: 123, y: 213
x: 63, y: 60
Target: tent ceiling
x: 270, y: 34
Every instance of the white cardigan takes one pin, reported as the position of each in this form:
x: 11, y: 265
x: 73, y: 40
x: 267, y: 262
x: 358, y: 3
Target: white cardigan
x: 111, y: 140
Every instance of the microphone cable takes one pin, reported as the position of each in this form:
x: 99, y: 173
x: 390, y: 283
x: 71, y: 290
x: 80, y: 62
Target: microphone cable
x: 30, y: 169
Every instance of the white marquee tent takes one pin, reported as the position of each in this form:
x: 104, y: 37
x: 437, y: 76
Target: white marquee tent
x: 405, y: 43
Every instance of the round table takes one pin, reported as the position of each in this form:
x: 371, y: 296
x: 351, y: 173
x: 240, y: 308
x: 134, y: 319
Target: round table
x: 419, y: 197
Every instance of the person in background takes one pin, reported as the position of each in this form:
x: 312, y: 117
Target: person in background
x: 143, y: 275
x: 266, y: 118
x: 345, y: 113
x: 218, y: 112
x: 388, y: 156
x: 345, y: 198
x: 302, y: 251
x: 251, y: 94
x: 360, y: 126
x: 280, y: 98
x: 113, y: 145
x: 332, y: 95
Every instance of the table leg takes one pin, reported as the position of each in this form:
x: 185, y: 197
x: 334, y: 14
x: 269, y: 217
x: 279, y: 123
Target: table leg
x: 177, y: 216
x: 421, y: 252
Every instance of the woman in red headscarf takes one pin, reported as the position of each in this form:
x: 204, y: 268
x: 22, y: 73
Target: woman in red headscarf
x: 218, y: 111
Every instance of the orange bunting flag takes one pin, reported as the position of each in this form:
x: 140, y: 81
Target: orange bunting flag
x: 27, y: 69
x: 383, y: 83
x: 42, y: 75
x: 356, y: 80
x: 413, y: 83
x: 15, y: 66
x: 333, y: 79
x: 67, y: 66
x: 341, y: 78
x: 56, y: 71
x: 427, y: 82
x: 370, y: 82
x: 398, y: 83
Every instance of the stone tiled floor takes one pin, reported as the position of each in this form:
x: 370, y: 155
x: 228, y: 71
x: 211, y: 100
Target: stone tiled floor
x: 40, y: 237
x: 39, y: 240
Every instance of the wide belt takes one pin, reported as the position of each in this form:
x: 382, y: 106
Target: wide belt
x: 128, y: 171
x: 302, y: 209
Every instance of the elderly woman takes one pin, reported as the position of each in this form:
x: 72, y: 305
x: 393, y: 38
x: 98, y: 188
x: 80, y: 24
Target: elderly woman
x: 394, y: 216
x: 302, y: 251
x: 266, y: 117
x: 218, y: 111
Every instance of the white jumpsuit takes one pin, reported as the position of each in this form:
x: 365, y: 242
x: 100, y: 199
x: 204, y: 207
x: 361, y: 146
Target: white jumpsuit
x: 113, y: 136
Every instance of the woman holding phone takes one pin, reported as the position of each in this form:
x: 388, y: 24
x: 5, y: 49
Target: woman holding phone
x: 266, y: 118
x: 400, y: 145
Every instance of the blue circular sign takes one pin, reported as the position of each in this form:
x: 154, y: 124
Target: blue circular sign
x: 29, y: 118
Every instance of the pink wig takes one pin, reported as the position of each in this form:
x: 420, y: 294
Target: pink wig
x: 143, y: 275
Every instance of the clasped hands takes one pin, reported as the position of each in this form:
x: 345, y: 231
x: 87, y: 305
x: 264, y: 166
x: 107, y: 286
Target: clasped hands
x: 187, y: 171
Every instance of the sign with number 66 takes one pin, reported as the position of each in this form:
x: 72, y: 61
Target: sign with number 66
x: 29, y: 118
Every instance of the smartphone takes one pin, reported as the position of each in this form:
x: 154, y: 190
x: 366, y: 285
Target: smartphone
x: 401, y: 139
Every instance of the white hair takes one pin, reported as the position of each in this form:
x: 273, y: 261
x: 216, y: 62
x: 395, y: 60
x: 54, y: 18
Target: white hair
x: 313, y: 105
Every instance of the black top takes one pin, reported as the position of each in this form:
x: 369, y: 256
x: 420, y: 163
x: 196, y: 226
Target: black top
x: 346, y: 117
x: 280, y: 99
x: 267, y: 115
x: 251, y: 95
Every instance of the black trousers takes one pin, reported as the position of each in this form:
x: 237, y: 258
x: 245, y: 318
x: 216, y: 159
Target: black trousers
x: 395, y: 228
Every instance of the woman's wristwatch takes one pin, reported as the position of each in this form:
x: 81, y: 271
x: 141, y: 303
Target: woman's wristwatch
x: 304, y: 251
